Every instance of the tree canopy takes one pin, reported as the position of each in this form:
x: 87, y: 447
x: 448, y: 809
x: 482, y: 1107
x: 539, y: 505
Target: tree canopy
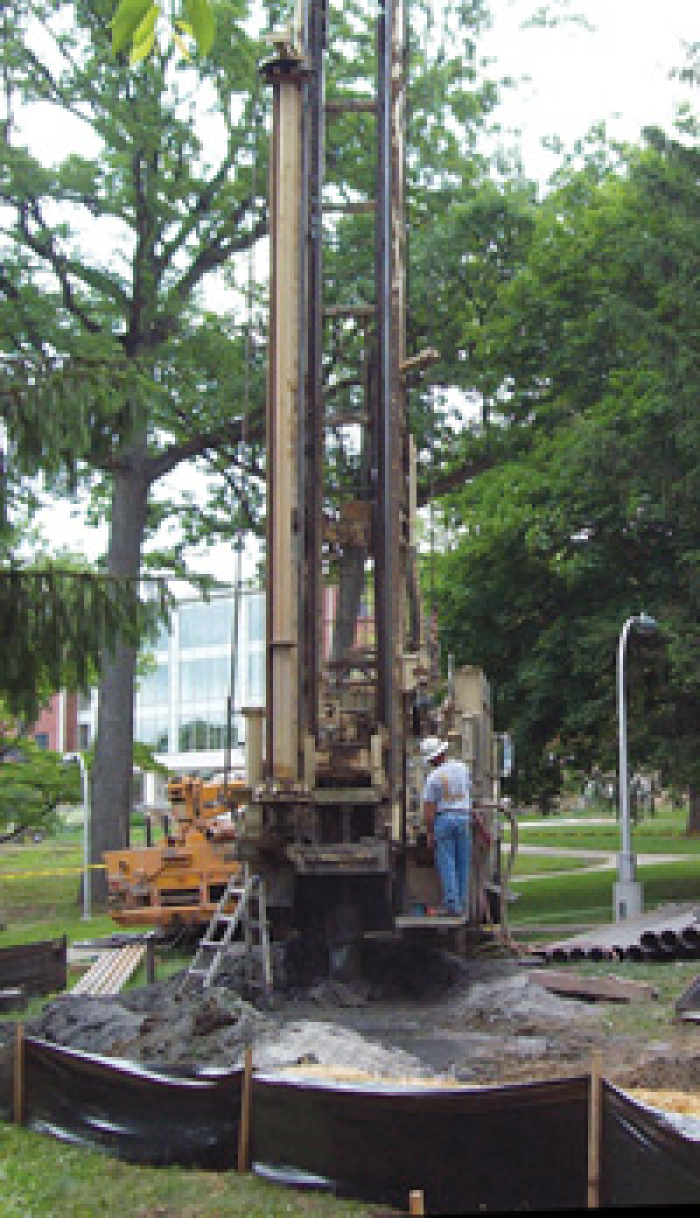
x: 594, y: 515
x: 116, y: 370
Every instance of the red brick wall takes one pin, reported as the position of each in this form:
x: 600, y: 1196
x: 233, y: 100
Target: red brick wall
x: 48, y: 723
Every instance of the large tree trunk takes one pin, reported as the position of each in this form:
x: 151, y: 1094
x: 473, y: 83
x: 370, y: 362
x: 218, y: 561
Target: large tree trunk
x: 112, y: 774
x: 693, y: 811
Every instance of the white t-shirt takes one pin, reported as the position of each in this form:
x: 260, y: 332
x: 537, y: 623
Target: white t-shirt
x: 448, y: 786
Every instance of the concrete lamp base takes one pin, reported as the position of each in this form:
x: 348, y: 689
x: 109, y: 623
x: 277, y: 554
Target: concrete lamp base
x: 628, y: 901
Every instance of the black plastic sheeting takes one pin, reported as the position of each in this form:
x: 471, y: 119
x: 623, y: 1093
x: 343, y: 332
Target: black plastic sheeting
x: 518, y: 1147
x: 135, y: 1112
x: 644, y: 1160
x: 37, y: 968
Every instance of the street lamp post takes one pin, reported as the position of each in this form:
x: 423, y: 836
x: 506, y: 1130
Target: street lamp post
x: 79, y: 759
x: 627, y: 895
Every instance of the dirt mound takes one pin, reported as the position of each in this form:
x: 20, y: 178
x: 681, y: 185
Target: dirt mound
x: 156, y: 1024
x: 520, y: 1004
x: 159, y: 1025
x: 414, y: 1012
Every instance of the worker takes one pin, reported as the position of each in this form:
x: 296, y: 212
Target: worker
x: 447, y: 802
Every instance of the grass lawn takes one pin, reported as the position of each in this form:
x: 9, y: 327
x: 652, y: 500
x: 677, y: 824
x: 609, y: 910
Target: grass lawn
x: 588, y: 896
x: 663, y: 833
x: 40, y: 1176
x: 647, y: 838
x: 539, y: 864
x: 43, y: 1178
x: 40, y: 891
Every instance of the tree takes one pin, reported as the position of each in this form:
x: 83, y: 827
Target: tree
x: 179, y: 210
x: 34, y: 782
x: 595, y: 514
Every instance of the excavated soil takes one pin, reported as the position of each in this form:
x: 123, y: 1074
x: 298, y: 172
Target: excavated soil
x: 414, y: 1014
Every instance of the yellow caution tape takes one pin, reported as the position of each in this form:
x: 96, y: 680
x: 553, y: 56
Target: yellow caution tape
x: 24, y: 875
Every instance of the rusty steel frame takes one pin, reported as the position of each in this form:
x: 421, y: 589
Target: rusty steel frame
x: 392, y: 506
x: 311, y: 458
x: 304, y: 75
x: 308, y: 755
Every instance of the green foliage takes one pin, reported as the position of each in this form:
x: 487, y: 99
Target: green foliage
x: 106, y: 353
x: 463, y: 230
x: 134, y: 24
x: 33, y: 783
x: 56, y: 625
x: 587, y: 897
x: 43, y: 1176
x: 594, y: 514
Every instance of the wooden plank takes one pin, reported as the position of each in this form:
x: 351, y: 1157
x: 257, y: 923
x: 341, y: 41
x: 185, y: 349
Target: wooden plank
x: 19, y: 1075
x: 111, y: 971
x: 349, y: 311
x: 351, y: 105
x: 607, y: 989
x: 430, y: 922
x: 246, y: 1099
x: 594, y: 1133
x: 689, y: 1000
x: 360, y: 208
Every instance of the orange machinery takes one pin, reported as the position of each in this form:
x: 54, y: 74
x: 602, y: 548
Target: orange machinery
x: 179, y: 880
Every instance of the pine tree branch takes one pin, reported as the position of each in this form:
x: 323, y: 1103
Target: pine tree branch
x: 33, y: 334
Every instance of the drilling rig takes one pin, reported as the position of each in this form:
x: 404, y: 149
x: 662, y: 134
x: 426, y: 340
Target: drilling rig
x: 333, y: 821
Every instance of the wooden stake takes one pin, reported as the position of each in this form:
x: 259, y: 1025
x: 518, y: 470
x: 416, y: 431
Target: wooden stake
x: 244, y: 1128
x: 594, y: 1133
x: 19, y: 1074
x: 416, y: 1201
x: 150, y: 960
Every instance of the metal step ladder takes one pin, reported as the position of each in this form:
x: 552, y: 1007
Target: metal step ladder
x: 250, y: 913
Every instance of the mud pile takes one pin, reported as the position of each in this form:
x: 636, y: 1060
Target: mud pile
x: 419, y: 1015
x: 159, y: 1026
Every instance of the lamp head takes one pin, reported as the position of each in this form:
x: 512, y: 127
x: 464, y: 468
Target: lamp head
x: 647, y: 624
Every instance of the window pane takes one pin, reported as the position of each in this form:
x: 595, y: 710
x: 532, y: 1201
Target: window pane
x: 153, y: 729
x: 203, y: 624
x: 204, y: 680
x: 256, y: 677
x: 256, y: 617
x: 153, y: 687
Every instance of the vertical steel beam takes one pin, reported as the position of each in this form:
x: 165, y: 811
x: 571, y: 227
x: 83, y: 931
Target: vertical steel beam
x: 392, y: 470
x: 286, y: 74
x: 311, y: 458
x: 383, y: 565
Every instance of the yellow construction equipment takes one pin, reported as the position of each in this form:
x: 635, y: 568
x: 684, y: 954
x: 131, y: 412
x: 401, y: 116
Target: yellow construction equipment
x: 179, y: 880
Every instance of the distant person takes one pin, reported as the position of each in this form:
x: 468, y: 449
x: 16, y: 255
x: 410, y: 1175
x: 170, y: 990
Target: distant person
x: 447, y: 802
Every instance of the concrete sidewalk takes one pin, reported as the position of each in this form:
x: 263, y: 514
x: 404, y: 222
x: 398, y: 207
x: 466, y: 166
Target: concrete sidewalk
x: 591, y: 860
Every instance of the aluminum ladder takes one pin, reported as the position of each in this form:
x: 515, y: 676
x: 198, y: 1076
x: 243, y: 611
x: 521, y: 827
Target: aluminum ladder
x: 249, y: 913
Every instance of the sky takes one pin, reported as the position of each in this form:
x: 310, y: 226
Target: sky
x: 570, y: 77
x: 617, y: 70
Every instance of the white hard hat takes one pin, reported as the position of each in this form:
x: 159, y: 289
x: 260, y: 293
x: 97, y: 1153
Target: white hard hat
x: 432, y: 748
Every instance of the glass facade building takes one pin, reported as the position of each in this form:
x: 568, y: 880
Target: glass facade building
x: 185, y: 679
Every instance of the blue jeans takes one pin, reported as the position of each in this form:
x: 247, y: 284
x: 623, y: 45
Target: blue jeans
x: 452, y: 858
